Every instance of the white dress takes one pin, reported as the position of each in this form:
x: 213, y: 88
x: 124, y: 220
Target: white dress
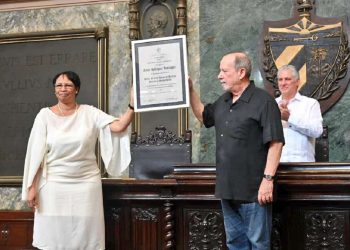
x: 70, y: 214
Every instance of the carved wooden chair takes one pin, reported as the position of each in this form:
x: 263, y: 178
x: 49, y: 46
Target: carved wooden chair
x: 154, y: 156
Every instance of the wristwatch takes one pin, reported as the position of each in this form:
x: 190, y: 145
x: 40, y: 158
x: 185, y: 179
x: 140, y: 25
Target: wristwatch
x: 269, y: 177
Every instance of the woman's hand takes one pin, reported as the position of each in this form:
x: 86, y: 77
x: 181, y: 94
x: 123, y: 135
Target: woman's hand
x: 33, y: 201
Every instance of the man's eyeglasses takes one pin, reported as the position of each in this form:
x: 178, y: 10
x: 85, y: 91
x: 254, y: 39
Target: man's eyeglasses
x: 61, y: 85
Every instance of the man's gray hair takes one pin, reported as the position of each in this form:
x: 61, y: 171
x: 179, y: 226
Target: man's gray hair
x: 291, y: 68
x: 242, y: 61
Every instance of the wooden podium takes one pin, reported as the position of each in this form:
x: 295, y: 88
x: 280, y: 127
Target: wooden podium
x: 312, y: 211
x: 180, y: 212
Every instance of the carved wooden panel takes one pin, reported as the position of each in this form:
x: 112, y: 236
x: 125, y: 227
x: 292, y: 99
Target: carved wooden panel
x: 116, y: 228
x: 205, y: 229
x: 145, y: 228
x: 325, y: 230
x: 276, y: 241
x: 115, y: 213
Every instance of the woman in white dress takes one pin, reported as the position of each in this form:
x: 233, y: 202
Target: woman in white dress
x: 61, y: 178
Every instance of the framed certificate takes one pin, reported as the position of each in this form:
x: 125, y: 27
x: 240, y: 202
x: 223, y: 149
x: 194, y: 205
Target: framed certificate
x: 160, y: 74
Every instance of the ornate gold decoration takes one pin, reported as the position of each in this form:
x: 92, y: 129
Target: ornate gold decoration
x: 338, y: 71
x: 181, y: 17
x: 269, y: 66
x: 101, y: 32
x: 305, y: 6
x: 134, y: 20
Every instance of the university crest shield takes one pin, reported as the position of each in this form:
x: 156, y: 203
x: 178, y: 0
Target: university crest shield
x: 317, y: 47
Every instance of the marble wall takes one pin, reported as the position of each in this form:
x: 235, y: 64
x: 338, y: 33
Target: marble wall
x: 226, y: 25
x: 215, y: 27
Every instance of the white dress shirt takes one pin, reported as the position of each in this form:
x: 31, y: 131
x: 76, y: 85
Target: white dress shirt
x: 303, y: 127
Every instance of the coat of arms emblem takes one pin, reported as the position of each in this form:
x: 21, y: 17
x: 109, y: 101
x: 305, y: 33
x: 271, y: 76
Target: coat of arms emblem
x: 318, y: 47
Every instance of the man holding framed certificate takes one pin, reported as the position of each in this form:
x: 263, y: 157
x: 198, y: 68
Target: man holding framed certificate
x: 249, y: 140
